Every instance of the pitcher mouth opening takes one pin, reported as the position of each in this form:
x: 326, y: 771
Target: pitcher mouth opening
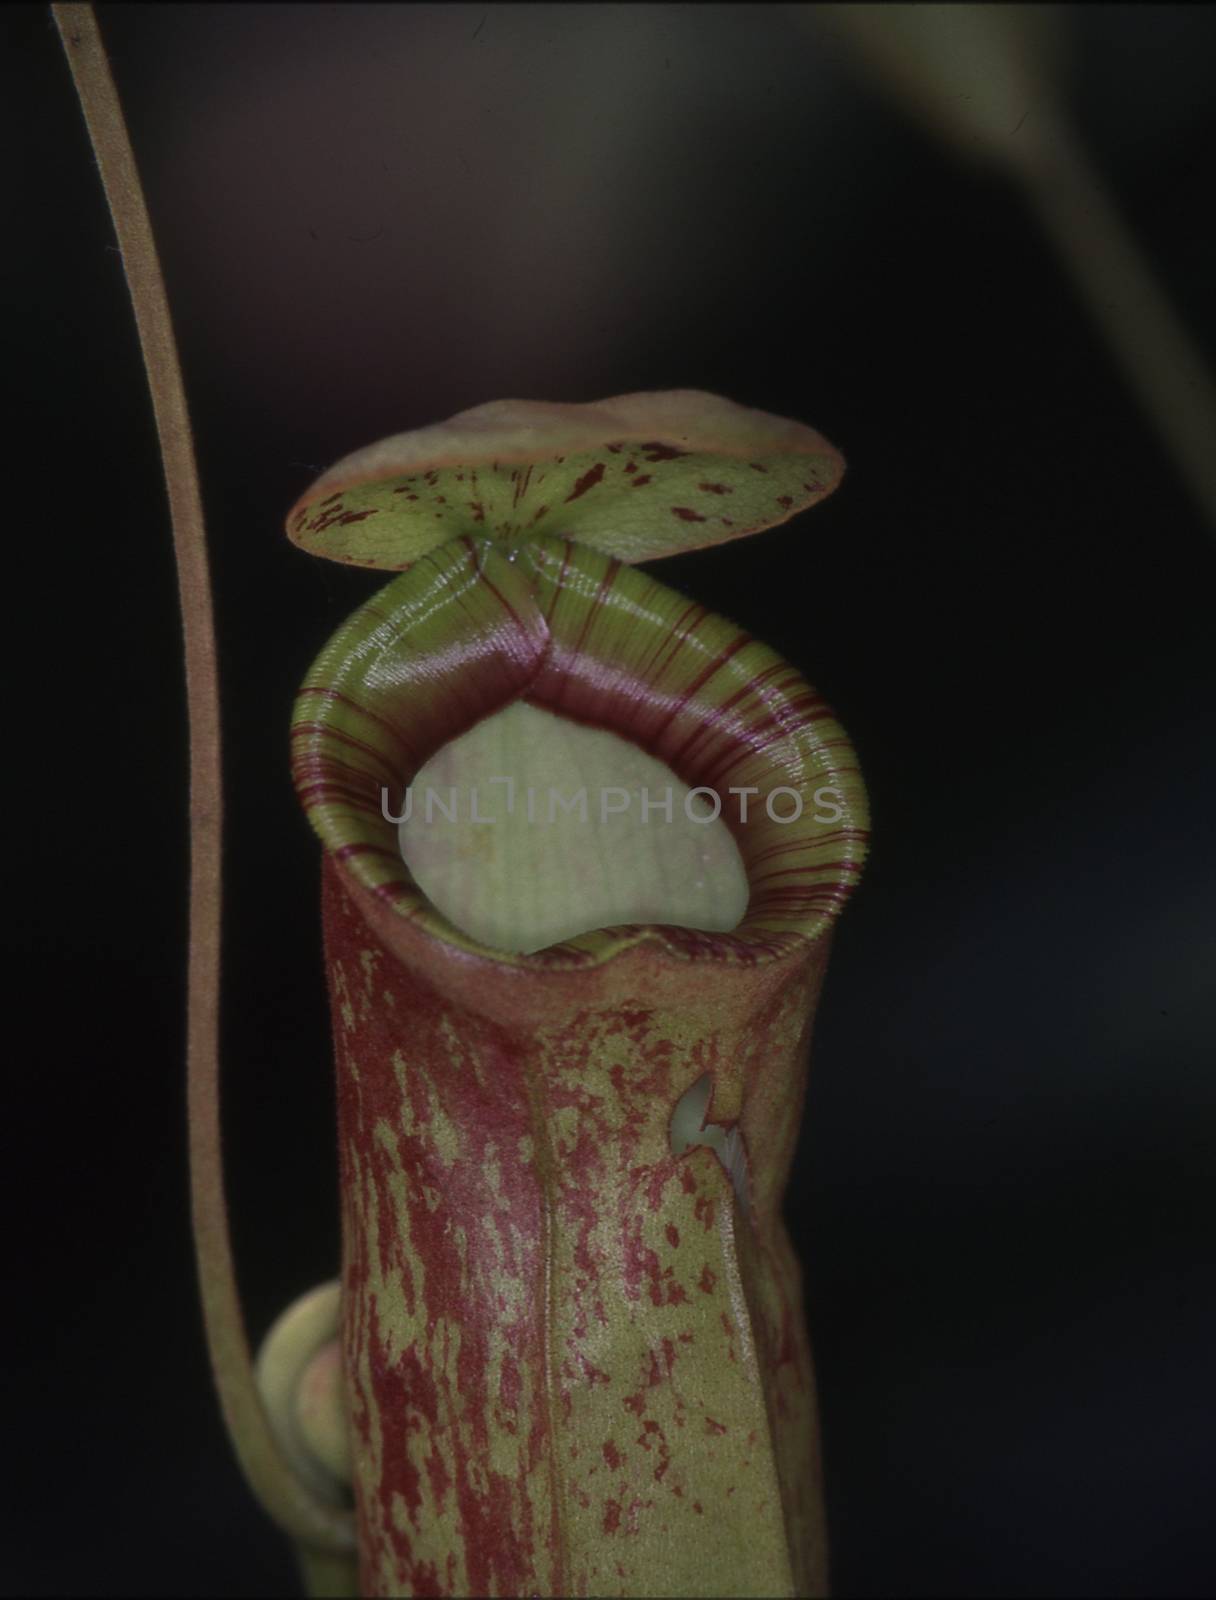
x: 472, y: 628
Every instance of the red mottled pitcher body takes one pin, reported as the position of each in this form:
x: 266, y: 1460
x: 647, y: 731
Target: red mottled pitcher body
x: 576, y: 1361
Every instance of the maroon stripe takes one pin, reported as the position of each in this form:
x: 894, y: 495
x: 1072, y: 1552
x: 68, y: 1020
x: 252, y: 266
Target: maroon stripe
x: 343, y: 851
x: 372, y: 716
x: 323, y: 730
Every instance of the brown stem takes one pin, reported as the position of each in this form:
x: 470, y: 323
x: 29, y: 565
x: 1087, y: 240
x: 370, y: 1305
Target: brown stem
x: 292, y: 1506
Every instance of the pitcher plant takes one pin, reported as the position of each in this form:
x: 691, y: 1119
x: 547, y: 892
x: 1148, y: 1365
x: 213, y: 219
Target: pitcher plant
x: 566, y: 1354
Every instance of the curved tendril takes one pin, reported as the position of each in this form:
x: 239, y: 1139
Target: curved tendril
x: 288, y: 1501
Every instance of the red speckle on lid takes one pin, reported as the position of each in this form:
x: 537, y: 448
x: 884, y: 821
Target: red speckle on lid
x: 588, y: 480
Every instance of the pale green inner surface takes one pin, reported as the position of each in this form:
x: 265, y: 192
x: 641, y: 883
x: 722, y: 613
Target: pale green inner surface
x: 688, y: 1128
x: 580, y: 852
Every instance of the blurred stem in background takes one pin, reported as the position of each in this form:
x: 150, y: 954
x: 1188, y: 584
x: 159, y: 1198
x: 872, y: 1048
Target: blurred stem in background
x: 986, y: 78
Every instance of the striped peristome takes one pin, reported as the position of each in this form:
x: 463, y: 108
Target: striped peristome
x: 468, y: 629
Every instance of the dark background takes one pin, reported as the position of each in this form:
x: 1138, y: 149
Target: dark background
x: 372, y: 217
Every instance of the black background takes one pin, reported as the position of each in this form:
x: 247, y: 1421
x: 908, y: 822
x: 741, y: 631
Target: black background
x: 372, y: 217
